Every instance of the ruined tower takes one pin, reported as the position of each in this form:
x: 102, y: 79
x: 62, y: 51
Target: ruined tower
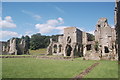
x: 117, y: 26
x: 105, y: 36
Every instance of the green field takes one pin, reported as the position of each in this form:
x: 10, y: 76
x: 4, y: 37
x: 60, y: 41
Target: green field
x: 45, y: 68
x: 38, y: 51
x: 106, y: 69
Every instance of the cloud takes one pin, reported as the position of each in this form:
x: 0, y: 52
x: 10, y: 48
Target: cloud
x: 0, y: 19
x: 61, y: 29
x: 59, y: 9
x: 35, y: 16
x: 8, y: 18
x: 91, y: 32
x: 112, y: 26
x: 51, y: 25
x: 7, y: 22
x: 6, y: 34
x: 29, y: 33
x: 54, y: 22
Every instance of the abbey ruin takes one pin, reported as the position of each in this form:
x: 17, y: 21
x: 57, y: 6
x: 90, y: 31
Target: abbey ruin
x: 75, y: 42
x: 13, y: 47
x: 117, y: 26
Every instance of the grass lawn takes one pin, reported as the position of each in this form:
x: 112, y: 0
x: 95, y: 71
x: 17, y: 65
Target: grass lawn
x: 0, y: 68
x: 106, y: 69
x: 41, y: 68
x: 45, y: 68
x: 38, y: 51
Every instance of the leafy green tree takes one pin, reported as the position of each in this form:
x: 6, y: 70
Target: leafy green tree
x: 90, y: 37
x: 41, y: 41
x: 27, y: 40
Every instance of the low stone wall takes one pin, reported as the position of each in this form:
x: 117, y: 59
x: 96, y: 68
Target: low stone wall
x: 41, y: 57
x: 53, y: 57
x: 16, y: 56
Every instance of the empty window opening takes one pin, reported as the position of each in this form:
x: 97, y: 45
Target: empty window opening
x: 68, y: 50
x: 68, y: 39
x: 106, y: 49
x: 98, y: 25
x: 88, y: 47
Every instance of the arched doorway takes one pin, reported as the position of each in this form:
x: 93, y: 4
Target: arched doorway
x: 55, y: 48
x: 106, y: 49
x: 68, y: 50
x: 60, y: 48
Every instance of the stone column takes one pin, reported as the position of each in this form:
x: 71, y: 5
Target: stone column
x: 57, y: 49
x: 84, y: 50
x: 3, y: 48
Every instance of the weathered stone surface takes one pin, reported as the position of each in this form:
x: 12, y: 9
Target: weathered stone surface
x: 74, y: 42
x: 117, y: 26
x: 13, y: 48
x: 106, y: 37
x: 70, y: 44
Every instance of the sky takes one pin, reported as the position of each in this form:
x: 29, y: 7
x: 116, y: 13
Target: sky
x: 50, y: 18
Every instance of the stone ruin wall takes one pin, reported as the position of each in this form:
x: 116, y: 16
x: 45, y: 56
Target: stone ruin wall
x: 106, y: 37
x: 11, y: 47
x: 71, y: 43
x: 117, y: 26
x: 74, y: 42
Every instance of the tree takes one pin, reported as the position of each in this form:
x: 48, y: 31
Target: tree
x: 37, y: 41
x: 90, y: 37
x: 41, y: 41
x: 27, y: 40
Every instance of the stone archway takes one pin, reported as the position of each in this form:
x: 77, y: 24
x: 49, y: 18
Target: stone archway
x: 60, y: 48
x: 106, y: 49
x: 68, y: 50
x: 55, y: 48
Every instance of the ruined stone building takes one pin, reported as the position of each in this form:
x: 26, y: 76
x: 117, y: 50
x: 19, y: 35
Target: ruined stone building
x: 105, y: 36
x: 12, y: 47
x: 75, y: 42
x: 117, y: 25
x: 72, y: 43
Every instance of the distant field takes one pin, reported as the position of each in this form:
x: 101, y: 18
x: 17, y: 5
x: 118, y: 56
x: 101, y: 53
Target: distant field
x: 38, y: 51
x: 45, y: 68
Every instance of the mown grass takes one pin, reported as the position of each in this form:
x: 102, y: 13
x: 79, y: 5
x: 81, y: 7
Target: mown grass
x: 42, y: 68
x: 0, y: 68
x: 45, y: 68
x: 106, y: 69
x: 38, y: 51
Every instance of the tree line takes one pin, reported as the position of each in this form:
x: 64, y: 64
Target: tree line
x: 37, y: 41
